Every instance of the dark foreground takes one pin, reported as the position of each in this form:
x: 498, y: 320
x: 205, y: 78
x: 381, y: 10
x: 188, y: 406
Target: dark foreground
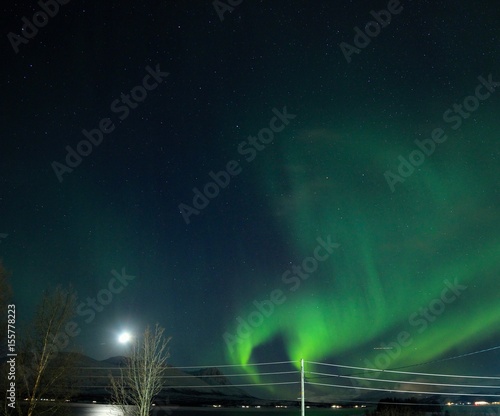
x: 106, y: 410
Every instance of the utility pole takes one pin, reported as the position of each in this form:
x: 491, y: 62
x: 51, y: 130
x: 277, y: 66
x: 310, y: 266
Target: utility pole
x: 303, y: 392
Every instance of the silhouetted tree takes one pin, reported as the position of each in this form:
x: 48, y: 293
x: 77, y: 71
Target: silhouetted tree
x: 43, y: 369
x: 141, y: 379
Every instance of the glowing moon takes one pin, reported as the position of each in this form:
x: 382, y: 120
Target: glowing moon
x: 124, y: 338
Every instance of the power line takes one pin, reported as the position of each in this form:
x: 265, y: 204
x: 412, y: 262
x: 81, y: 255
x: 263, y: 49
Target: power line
x: 211, y: 375
x: 404, y: 372
x: 439, y: 360
x: 406, y: 382
x: 235, y: 375
x: 212, y: 386
x: 403, y: 391
x: 451, y: 358
x: 239, y: 365
x: 204, y: 366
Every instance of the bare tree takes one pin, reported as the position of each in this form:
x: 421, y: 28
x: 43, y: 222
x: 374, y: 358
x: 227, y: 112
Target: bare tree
x: 43, y: 369
x: 141, y: 379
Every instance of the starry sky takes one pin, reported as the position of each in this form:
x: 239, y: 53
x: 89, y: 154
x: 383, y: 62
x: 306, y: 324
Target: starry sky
x: 383, y: 148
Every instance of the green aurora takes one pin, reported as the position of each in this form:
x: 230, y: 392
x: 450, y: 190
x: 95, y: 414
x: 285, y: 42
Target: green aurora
x: 397, y: 250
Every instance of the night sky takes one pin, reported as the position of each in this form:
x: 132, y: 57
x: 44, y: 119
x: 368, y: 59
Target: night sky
x: 382, y: 160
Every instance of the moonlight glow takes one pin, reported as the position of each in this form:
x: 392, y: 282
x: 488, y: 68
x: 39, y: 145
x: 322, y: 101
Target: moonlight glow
x: 124, y: 338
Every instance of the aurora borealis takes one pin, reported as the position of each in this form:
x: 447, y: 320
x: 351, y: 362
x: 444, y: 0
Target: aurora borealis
x: 392, y: 262
x: 417, y: 265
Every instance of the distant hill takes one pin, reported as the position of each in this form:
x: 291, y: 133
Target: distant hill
x: 205, y: 386
x: 211, y: 375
